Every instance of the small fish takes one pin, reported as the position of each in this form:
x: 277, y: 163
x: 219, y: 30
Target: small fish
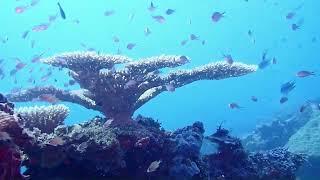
x: 203, y: 42
x: 234, y: 106
x: 33, y: 43
x: 159, y: 19
x: 20, y: 65
x: 263, y: 64
x: 109, y: 12
x: 193, y: 37
x: 20, y: 9
x: 34, y: 2
x: 40, y: 27
x: 254, y: 99
x: 216, y: 16
x: 283, y: 100
x: 76, y: 21
x: 115, y: 39
x: 131, y: 16
x: 183, y: 42
x: 274, y: 60
x: 184, y: 59
x: 52, y: 18
x: 153, y: 166
x: 295, y: 27
x: 36, y: 58
x: 147, y: 31
x: 25, y: 34
x: 48, y: 98
x: 302, y: 74
x: 130, y: 84
x: 228, y: 58
x: 5, y: 39
x: 290, y: 15
x: 130, y: 46
x: 302, y: 108
x: 72, y: 82
x: 57, y: 141
x: 151, y: 8
x: 287, y: 87
x: 170, y: 11
x: 62, y: 13
x: 170, y: 87
x: 13, y: 72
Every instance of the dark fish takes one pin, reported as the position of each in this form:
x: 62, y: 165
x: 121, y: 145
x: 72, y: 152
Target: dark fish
x: 193, y: 37
x: 287, y: 87
x: 228, y: 58
x: 151, y: 8
x: 25, y: 34
x: 254, y: 99
x: 302, y: 108
x: 72, y: 82
x: 263, y: 64
x: 159, y: 19
x: 109, y: 12
x: 290, y: 15
x: 2, y: 75
x: 170, y: 11
x: 295, y: 27
x: 234, y: 106
x: 216, y: 16
x: 130, y: 46
x: 63, y: 15
x: 283, y: 100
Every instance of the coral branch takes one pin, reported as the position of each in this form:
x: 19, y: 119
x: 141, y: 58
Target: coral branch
x: 76, y: 96
x: 45, y: 118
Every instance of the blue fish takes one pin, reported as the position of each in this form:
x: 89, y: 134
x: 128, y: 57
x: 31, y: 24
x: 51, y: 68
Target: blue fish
x: 287, y: 87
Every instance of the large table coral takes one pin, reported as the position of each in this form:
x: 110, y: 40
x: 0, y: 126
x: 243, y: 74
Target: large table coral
x: 118, y: 92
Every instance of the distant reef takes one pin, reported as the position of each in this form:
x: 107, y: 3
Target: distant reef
x: 298, y: 132
x: 118, y: 146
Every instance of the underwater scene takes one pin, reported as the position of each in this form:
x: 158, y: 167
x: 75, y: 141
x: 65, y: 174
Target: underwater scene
x: 159, y: 89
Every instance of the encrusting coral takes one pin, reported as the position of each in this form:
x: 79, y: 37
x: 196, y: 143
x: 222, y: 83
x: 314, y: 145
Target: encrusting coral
x: 118, y: 93
x: 45, y: 118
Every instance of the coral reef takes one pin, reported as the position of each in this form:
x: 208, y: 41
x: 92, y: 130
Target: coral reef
x: 11, y: 138
x: 232, y: 162
x: 299, y: 133
x: 93, y: 150
x: 117, y: 93
x: 277, y: 133
x: 307, y: 141
x: 45, y: 118
x: 184, y: 151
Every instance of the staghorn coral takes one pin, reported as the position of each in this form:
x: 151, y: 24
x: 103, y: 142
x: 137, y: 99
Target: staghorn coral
x: 118, y: 93
x: 45, y: 118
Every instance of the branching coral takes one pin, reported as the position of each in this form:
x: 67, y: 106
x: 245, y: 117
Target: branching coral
x: 45, y: 118
x: 118, y: 93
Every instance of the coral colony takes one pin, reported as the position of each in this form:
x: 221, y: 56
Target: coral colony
x: 36, y: 138
x: 117, y: 93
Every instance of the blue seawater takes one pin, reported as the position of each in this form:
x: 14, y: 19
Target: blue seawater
x: 205, y: 101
